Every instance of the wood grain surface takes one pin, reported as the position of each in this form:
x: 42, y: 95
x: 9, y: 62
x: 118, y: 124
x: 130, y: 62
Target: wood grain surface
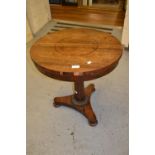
x: 82, y: 52
x: 88, y: 15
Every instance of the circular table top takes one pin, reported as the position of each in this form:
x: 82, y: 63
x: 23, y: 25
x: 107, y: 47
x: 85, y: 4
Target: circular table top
x: 76, y: 52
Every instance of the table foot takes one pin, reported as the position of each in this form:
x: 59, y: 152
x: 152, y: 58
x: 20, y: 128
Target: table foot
x: 56, y: 105
x: 93, y: 123
x: 85, y: 109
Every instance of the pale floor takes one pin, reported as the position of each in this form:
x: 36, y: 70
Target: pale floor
x: 63, y: 131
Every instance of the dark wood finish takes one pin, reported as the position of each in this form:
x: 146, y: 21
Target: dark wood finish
x: 79, y: 89
x: 85, y: 108
x: 88, y: 15
x: 77, y: 55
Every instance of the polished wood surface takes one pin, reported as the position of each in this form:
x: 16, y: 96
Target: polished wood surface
x: 77, y: 55
x: 88, y: 15
x: 69, y: 52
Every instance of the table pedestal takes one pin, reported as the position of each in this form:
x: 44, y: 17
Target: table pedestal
x: 79, y: 101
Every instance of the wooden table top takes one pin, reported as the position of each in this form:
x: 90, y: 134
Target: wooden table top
x: 71, y: 52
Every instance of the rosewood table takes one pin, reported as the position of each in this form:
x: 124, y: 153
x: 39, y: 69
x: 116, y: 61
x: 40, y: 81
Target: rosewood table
x: 77, y: 55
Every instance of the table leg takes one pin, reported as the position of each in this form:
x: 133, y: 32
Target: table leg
x: 79, y: 101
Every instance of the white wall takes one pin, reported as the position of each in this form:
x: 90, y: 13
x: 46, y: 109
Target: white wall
x: 125, y: 35
x: 29, y: 34
x: 38, y: 14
